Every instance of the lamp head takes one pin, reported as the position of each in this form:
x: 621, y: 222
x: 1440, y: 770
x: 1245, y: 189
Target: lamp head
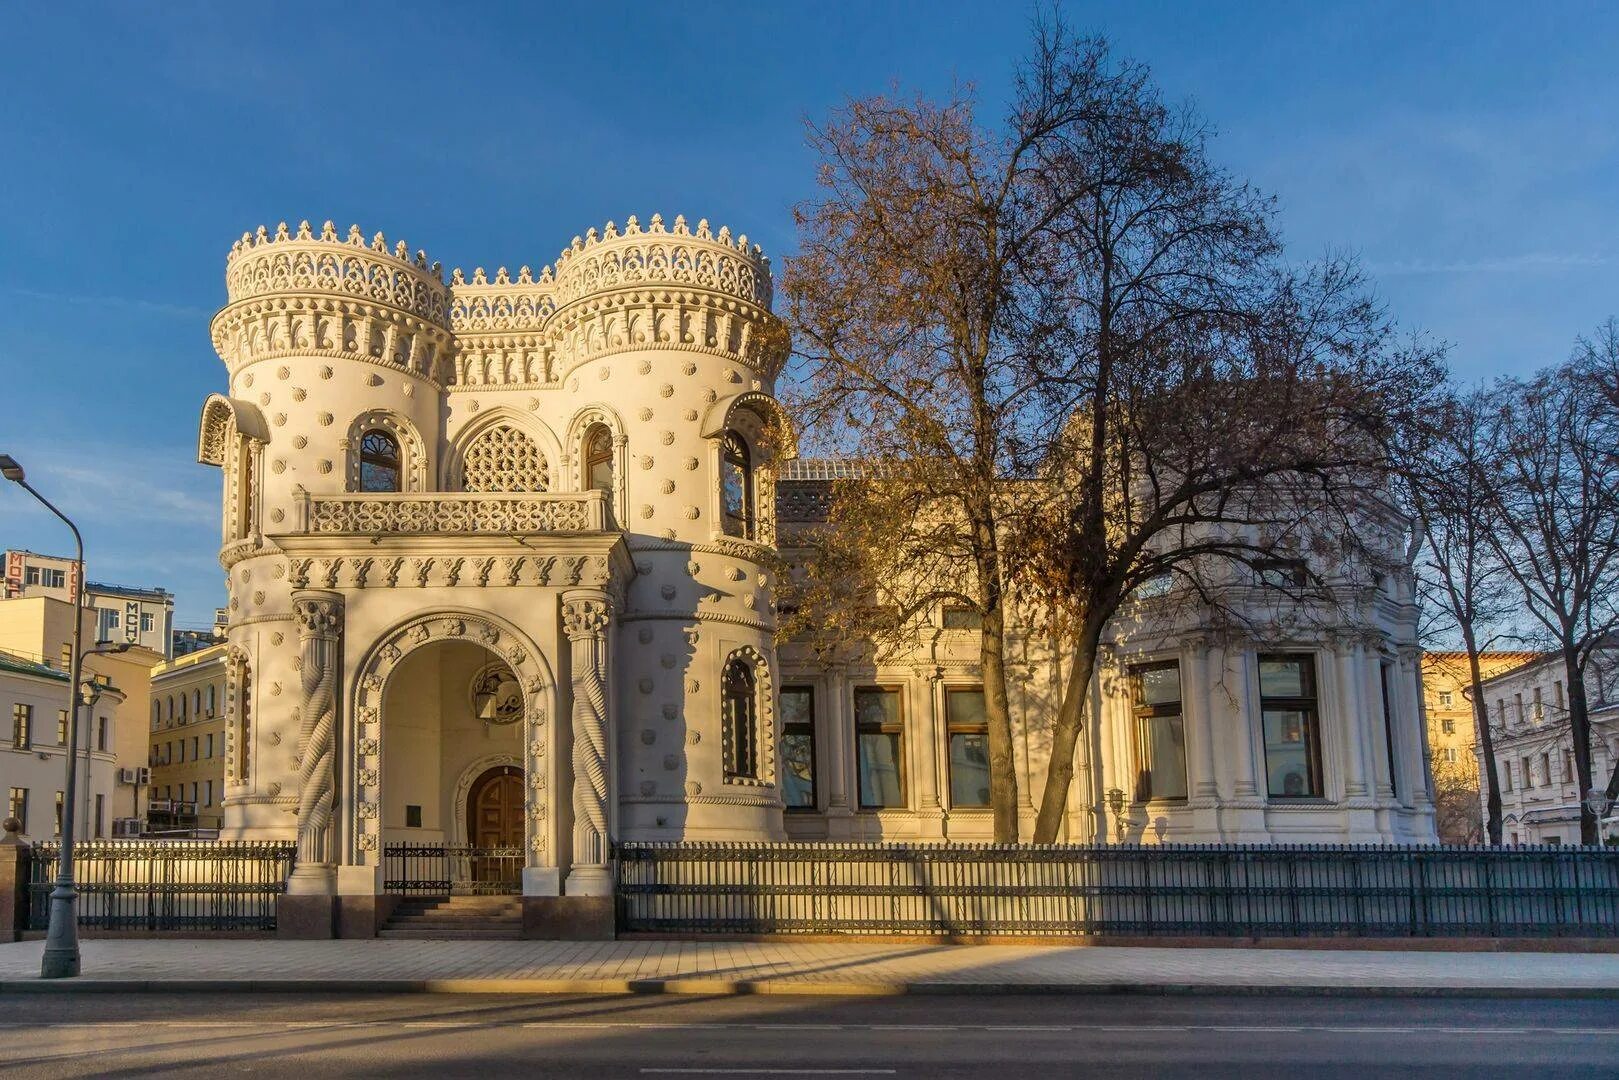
x: 10, y: 469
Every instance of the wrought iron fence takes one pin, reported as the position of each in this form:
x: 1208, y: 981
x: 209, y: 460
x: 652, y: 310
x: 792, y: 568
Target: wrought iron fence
x: 446, y: 869
x: 197, y: 885
x: 1238, y: 890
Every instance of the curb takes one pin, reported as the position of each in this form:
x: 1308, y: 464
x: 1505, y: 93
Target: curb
x: 766, y: 987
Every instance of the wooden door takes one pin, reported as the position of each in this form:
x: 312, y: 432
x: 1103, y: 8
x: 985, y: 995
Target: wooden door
x: 496, y: 810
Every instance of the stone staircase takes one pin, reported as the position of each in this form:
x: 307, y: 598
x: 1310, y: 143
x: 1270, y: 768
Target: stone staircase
x: 456, y: 918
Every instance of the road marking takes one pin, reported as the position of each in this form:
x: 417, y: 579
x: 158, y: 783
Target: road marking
x: 773, y: 1072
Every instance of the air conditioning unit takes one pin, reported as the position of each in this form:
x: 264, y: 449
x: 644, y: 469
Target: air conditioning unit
x: 139, y: 777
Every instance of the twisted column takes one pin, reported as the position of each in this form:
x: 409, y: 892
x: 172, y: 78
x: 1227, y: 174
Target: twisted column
x: 585, y: 617
x: 320, y: 619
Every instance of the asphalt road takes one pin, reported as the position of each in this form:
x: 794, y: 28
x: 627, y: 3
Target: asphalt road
x: 308, y: 1036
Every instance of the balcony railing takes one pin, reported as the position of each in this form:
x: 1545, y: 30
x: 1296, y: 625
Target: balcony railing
x: 497, y: 513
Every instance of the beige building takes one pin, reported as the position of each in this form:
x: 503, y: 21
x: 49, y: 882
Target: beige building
x: 187, y: 749
x: 144, y: 617
x: 1452, y: 733
x: 501, y: 557
x: 38, y: 630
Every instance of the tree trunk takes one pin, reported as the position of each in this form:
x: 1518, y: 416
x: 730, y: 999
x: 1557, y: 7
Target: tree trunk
x: 1065, y: 739
x: 998, y: 717
x: 1481, y: 720
x: 1579, y: 726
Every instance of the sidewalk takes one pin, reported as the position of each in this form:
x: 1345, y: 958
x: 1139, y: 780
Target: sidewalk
x: 786, y: 967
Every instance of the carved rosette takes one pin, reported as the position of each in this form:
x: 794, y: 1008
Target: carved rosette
x: 585, y: 618
x: 320, y: 622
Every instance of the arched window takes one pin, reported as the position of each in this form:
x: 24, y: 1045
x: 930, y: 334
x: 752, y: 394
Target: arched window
x: 196, y: 703
x: 379, y: 462
x: 182, y: 707
x: 157, y: 714
x: 736, y: 487
x: 599, y: 459
x: 171, y: 706
x: 739, y: 718
x: 505, y: 459
x: 213, y: 700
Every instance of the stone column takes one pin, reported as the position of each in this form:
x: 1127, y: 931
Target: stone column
x: 838, y: 765
x: 1383, y: 727
x: 930, y: 817
x: 1413, y: 714
x: 585, y: 617
x: 1199, y: 719
x: 319, y: 616
x: 1353, y: 713
x: 1235, y: 661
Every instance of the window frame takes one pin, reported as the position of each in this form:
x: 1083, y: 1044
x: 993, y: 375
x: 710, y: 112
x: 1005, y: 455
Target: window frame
x: 22, y: 725
x: 1309, y: 705
x: 952, y: 728
x: 806, y: 730
x: 372, y: 460
x: 1142, y: 714
x: 593, y: 455
x: 739, y: 720
x: 736, y: 454
x: 887, y: 727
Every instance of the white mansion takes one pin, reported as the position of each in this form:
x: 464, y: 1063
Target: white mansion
x: 500, y: 559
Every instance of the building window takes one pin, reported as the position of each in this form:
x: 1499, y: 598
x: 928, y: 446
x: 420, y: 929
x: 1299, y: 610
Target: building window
x: 207, y: 793
x: 740, y: 719
x: 1447, y: 726
x: 182, y: 745
x: 504, y: 459
x: 958, y: 617
x: 880, y: 748
x: 1281, y: 573
x: 196, y: 740
x: 798, y: 747
x: 736, y: 487
x: 967, y: 728
x: 1445, y: 698
x: 1568, y: 766
x: 244, y: 722
x: 182, y: 708
x: 1155, y: 691
x: 379, y: 462
x: 67, y: 657
x: 1291, y: 722
x: 61, y: 727
x: 1528, y: 772
x: 30, y: 577
x: 18, y: 807
x: 111, y: 620
x: 599, y: 459
x: 1546, y: 768
x: 102, y: 726
x: 157, y: 714
x: 208, y: 744
x: 1538, y: 709
x: 101, y: 815
x: 196, y: 703
x: 22, y: 726
x: 1450, y: 754
x: 213, y: 701
x: 60, y: 802
x: 1506, y: 775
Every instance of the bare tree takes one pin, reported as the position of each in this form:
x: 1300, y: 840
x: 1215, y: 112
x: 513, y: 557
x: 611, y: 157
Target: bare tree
x: 1073, y: 335
x: 1447, y: 470
x: 1557, y: 507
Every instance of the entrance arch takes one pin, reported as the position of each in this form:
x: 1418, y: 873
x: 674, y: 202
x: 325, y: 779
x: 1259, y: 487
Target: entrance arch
x: 531, y: 749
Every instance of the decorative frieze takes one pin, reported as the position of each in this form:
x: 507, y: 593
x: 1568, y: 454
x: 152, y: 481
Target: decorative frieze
x: 502, y: 514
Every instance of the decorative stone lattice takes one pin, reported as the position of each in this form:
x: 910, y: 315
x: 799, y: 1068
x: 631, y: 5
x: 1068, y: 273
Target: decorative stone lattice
x: 505, y: 459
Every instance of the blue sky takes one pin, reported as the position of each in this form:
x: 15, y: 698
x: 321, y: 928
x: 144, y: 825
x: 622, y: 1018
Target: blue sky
x: 1468, y: 152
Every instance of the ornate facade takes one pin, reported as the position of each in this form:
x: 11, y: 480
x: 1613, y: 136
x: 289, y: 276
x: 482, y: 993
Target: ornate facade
x: 505, y: 545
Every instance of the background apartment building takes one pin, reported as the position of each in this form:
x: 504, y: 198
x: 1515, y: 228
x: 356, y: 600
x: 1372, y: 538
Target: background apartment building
x: 1451, y: 735
x: 1534, y: 750
x: 141, y: 616
x: 187, y: 743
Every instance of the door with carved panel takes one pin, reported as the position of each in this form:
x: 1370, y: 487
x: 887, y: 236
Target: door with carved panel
x: 495, y: 822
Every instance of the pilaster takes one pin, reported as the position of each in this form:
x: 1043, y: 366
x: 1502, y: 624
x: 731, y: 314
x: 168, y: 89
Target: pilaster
x: 319, y: 618
x: 586, y: 614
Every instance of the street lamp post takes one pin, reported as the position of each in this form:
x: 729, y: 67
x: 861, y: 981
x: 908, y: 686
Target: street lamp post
x: 61, y: 957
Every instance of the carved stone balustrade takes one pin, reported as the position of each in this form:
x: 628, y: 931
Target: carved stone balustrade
x: 451, y: 513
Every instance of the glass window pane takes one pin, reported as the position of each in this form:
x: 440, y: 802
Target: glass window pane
x: 1158, y: 685
x: 881, y: 780
x: 1290, y: 753
x: 969, y: 768
x: 1284, y: 676
x: 965, y: 708
x: 876, y: 707
x: 798, y: 772
x: 1163, y: 758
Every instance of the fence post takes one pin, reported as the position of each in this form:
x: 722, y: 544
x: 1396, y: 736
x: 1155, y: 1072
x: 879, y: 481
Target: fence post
x: 14, y: 867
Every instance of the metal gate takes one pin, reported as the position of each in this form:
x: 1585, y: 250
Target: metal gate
x: 451, y: 870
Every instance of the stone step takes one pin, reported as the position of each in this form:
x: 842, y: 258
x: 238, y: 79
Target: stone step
x: 462, y: 934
